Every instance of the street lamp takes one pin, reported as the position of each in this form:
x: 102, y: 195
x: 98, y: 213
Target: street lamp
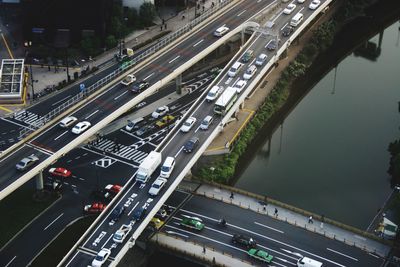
x: 212, y: 169
x: 29, y: 44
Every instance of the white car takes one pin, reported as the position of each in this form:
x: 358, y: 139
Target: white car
x: 81, y: 127
x: 301, y: 1
x: 129, y: 79
x: 188, y: 124
x: 157, y: 186
x: 159, y: 112
x: 101, y: 257
x: 250, y: 72
x: 167, y: 167
x: 119, y: 236
x: 221, y: 31
x: 261, y: 59
x: 67, y: 121
x: 240, y: 85
x: 314, y: 4
x: 289, y: 9
x: 214, y: 92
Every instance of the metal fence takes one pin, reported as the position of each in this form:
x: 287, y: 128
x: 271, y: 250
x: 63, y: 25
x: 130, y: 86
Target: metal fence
x: 163, y: 42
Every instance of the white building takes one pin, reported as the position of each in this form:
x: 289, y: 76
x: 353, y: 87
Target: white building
x: 135, y: 3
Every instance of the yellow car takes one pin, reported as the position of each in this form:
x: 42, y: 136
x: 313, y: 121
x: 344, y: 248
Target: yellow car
x: 156, y: 223
x: 165, y: 120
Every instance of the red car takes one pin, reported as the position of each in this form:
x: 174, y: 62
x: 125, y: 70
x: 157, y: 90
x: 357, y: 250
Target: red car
x: 113, y: 188
x: 60, y: 172
x: 97, y: 207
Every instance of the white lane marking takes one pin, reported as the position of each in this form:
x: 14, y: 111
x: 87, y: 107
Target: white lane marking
x: 55, y: 103
x: 68, y: 161
x: 10, y: 261
x: 60, y: 135
x: 53, y: 221
x: 284, y: 26
x: 40, y: 149
x: 251, y: 63
x: 241, y: 13
x: 148, y: 76
x: 271, y: 228
x: 195, y: 131
x: 172, y: 60
x: 115, y: 98
x: 178, y: 152
x: 373, y: 255
x: 269, y: 238
x: 340, y: 253
x: 134, y: 207
x: 176, y: 233
x: 108, y: 239
x: 77, y: 252
x: 9, y: 155
x: 78, y: 157
x: 91, y: 114
x: 13, y: 122
x: 199, y: 42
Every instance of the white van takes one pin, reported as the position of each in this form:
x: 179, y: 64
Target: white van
x: 133, y: 124
x: 67, y: 121
x: 167, y: 167
x: 307, y: 262
x: 214, y: 92
x: 296, y: 19
x: 234, y: 69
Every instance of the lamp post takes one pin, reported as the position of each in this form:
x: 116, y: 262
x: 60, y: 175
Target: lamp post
x: 212, y: 169
x: 29, y: 44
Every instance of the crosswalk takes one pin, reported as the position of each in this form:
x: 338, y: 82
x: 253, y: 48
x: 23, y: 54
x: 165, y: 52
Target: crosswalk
x: 27, y: 117
x: 123, y: 151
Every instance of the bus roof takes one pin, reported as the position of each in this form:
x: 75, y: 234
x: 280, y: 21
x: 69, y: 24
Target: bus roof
x: 226, y: 96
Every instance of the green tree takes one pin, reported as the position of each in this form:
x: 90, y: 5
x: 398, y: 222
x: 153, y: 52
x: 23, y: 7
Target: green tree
x: 111, y: 41
x: 147, y: 13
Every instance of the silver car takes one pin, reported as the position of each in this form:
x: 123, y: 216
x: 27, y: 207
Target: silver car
x: 27, y: 162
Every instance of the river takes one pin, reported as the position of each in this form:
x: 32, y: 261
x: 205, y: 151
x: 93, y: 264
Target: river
x: 330, y: 154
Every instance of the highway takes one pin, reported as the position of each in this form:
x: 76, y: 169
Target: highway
x: 55, y: 141
x: 135, y: 195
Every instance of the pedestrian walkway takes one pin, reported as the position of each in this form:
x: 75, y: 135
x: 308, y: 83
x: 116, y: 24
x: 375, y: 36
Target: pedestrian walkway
x: 306, y: 220
x: 28, y: 117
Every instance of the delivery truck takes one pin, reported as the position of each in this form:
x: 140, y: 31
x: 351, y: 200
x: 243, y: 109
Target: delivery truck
x: 148, y: 166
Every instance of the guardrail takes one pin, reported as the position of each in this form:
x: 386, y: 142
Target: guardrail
x: 163, y: 42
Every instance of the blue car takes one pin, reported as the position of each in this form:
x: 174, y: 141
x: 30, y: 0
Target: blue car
x: 139, y: 213
x: 116, y: 214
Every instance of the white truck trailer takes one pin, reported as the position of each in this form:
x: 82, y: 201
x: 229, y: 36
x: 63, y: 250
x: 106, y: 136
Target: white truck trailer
x: 148, y: 166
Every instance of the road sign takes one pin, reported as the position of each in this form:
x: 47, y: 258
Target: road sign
x: 82, y: 87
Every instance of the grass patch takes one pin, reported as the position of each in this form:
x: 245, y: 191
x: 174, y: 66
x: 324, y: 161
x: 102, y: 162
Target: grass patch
x: 57, y: 249
x: 20, y: 208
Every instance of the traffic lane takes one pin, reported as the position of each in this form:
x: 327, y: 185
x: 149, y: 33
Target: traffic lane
x: 8, y: 171
x: 277, y: 235
x: 9, y: 133
x: 81, y: 258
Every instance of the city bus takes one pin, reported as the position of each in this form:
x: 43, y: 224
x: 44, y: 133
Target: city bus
x: 225, y: 101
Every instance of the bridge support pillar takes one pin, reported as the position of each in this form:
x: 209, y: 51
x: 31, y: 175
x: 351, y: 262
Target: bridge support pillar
x: 241, y: 106
x: 39, y: 181
x: 178, y: 82
x: 380, y: 40
x: 242, y: 37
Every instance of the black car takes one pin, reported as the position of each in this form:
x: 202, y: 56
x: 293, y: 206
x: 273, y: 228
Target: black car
x: 143, y: 130
x: 287, y: 30
x: 116, y: 214
x: 191, y: 144
x: 244, y: 241
x: 139, y: 214
x: 138, y: 87
x: 273, y: 44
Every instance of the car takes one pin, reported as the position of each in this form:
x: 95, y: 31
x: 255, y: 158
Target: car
x: 244, y: 241
x: 221, y: 31
x: 55, y: 185
x: 161, y: 111
x: 314, y: 4
x: 116, y: 214
x: 81, y: 127
x: 96, y: 207
x: 192, y: 222
x: 287, y: 30
x: 101, y: 257
x: 130, y: 78
x: 214, y: 92
x: 240, y: 85
x: 156, y: 223
x: 162, y: 213
x: 188, y: 124
x: 249, y: 73
x: 289, y: 9
x: 134, y: 124
x: 143, y: 130
x: 206, y: 122
x: 247, y: 56
x: 191, y: 144
x: 301, y: 1
x: 62, y: 172
x: 273, y: 44
x: 261, y: 59
x: 27, y: 162
x: 165, y: 121
x: 157, y: 185
x: 67, y: 121
x: 121, y: 233
x: 138, y: 87
x: 139, y: 213
x: 111, y: 190
x: 260, y: 255
x: 167, y: 167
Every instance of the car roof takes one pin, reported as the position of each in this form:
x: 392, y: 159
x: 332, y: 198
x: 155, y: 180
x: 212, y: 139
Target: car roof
x: 169, y: 160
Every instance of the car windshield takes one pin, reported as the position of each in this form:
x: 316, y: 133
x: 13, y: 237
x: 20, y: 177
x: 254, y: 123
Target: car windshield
x: 211, y: 94
x: 164, y: 168
x: 127, y: 79
x: 156, y: 186
x: 187, y: 123
x: 160, y: 110
x: 99, y: 258
x: 205, y: 122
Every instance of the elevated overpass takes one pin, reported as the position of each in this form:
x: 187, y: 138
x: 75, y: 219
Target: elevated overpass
x: 134, y: 196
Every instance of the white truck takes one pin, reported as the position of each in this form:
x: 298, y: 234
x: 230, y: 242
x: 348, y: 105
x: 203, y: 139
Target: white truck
x: 148, y: 166
x: 308, y: 262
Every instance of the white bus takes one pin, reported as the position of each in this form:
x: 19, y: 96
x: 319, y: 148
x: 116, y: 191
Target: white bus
x: 225, y: 101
